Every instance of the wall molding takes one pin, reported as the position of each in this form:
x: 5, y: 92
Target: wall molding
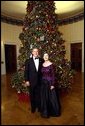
x: 65, y: 21
x: 72, y: 19
x: 12, y: 21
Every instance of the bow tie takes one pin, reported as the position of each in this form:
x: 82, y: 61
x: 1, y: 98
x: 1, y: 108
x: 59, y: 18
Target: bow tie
x: 36, y: 58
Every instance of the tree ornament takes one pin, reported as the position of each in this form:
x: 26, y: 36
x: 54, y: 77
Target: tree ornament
x: 35, y: 37
x: 38, y: 39
x: 37, y: 16
x: 42, y: 38
x: 13, y: 86
x: 47, y: 21
x: 39, y: 28
x: 31, y: 46
x: 55, y: 44
x: 21, y: 36
x: 26, y: 28
x: 21, y: 45
x: 19, y: 92
x: 40, y: 47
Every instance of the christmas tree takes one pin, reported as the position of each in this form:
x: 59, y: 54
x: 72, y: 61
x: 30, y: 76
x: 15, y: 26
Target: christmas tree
x: 40, y: 29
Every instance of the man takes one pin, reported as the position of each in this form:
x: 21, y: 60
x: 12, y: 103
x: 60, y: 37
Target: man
x: 32, y: 78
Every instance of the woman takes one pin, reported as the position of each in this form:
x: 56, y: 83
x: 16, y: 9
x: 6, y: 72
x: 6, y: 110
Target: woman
x: 50, y: 105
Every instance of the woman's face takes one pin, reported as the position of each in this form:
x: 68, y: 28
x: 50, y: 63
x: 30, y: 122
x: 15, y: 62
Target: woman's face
x: 46, y: 57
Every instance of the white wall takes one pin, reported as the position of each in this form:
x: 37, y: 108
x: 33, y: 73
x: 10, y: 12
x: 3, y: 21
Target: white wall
x: 73, y: 33
x: 9, y: 35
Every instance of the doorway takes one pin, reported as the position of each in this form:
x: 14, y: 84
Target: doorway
x: 10, y: 58
x: 76, y: 56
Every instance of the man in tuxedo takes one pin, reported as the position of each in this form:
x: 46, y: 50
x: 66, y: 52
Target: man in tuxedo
x: 33, y: 78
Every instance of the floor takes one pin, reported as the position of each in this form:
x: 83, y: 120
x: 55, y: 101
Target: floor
x: 15, y: 112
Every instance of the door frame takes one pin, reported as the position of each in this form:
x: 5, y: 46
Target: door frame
x: 9, y: 49
x: 17, y: 52
x: 81, y: 51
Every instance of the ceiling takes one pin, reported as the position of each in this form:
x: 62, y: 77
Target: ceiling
x: 64, y: 9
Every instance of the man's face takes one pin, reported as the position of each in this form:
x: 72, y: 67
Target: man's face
x: 35, y: 52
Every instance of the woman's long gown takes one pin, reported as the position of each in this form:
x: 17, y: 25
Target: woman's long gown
x: 50, y: 105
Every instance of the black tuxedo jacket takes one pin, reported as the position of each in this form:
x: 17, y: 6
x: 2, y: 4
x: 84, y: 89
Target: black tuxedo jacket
x: 31, y: 74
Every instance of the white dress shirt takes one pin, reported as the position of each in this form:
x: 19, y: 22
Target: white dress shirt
x: 36, y: 61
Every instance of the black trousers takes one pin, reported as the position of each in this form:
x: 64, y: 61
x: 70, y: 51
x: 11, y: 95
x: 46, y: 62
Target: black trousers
x: 35, y: 98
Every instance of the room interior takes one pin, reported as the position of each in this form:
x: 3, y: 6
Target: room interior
x: 14, y: 111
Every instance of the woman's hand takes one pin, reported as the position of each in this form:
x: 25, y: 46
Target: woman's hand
x: 52, y: 87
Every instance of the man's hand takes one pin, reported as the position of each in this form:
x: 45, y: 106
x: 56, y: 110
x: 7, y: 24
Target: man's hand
x: 52, y: 87
x: 27, y: 83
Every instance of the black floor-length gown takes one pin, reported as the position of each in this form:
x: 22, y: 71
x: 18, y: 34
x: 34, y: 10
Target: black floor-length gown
x: 50, y: 105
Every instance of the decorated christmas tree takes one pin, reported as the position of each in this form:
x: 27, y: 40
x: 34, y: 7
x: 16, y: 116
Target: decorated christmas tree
x: 40, y: 29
